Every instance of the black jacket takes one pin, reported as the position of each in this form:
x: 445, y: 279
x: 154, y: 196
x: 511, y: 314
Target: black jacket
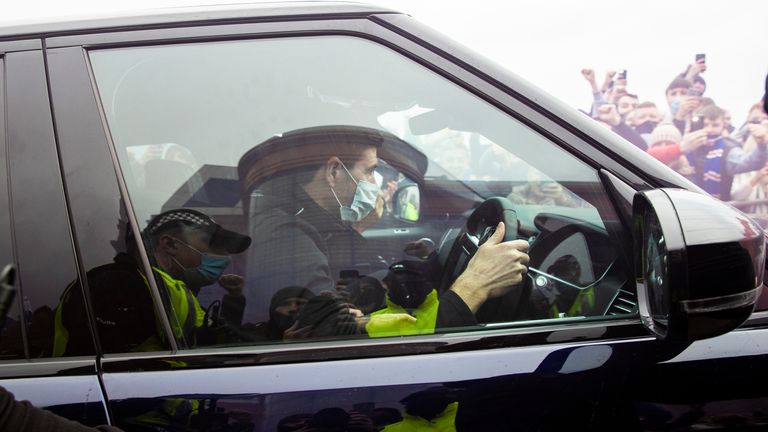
x: 298, y: 243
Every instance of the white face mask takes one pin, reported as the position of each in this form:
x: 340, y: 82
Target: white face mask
x: 363, y: 202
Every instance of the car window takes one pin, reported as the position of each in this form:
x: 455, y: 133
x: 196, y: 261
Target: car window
x: 328, y: 187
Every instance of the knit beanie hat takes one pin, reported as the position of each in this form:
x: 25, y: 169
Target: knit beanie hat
x: 665, y: 132
x: 678, y: 82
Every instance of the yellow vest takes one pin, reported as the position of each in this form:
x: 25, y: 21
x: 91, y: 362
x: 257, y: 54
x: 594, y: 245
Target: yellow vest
x: 187, y: 316
x: 444, y: 422
x: 583, y: 298
x: 183, y: 323
x: 396, y: 321
x: 411, y: 213
x: 60, y: 333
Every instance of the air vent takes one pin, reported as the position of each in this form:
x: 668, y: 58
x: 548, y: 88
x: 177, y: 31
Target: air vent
x: 624, y: 303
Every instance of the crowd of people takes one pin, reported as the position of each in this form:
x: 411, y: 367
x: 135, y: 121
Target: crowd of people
x: 692, y: 135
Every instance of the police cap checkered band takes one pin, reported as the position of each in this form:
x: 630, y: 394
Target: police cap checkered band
x: 187, y: 216
x: 222, y: 238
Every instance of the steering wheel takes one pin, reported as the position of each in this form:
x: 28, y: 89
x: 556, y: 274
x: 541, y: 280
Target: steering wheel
x: 479, y: 227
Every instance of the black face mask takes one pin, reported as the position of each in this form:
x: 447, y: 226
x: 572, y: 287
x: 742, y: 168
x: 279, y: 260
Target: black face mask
x: 646, y: 127
x: 281, y: 322
x: 407, y: 286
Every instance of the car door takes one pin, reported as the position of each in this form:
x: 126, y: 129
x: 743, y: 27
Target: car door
x: 142, y: 98
x: 36, y: 237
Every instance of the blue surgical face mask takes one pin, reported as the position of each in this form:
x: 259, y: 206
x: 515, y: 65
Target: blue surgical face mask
x: 674, y: 105
x: 208, y: 272
x: 363, y: 202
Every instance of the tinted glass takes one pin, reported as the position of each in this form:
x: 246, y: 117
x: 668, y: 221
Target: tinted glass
x: 328, y: 185
x: 6, y: 243
x: 11, y: 331
x: 119, y: 296
x: 43, y: 240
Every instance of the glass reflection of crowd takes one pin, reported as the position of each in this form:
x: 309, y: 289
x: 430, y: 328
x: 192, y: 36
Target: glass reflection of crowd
x: 693, y: 135
x: 492, y: 170
x: 428, y: 409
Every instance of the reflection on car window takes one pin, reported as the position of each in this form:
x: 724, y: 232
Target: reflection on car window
x: 346, y: 200
x: 122, y: 308
x: 10, y: 334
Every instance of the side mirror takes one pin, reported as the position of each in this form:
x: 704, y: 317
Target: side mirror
x: 406, y: 203
x: 699, y: 264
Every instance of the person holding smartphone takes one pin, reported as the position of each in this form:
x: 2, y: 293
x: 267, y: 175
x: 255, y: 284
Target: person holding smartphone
x: 753, y: 186
x: 715, y: 158
x: 681, y: 104
x: 693, y: 75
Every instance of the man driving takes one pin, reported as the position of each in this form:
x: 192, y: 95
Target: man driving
x: 305, y: 190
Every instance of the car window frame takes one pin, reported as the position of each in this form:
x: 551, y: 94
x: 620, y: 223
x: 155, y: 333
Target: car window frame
x: 69, y: 65
x: 532, y: 116
x: 6, y: 236
x: 30, y: 122
x: 7, y: 243
x: 24, y: 376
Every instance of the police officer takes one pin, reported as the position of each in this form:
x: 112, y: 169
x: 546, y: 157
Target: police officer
x: 182, y: 244
x: 188, y: 245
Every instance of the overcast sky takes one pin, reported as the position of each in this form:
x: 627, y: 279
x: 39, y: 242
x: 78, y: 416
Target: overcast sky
x: 548, y: 42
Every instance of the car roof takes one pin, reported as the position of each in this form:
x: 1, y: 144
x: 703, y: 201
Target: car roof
x: 167, y: 17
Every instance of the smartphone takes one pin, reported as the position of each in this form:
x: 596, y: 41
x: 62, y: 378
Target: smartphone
x: 701, y: 57
x: 697, y: 123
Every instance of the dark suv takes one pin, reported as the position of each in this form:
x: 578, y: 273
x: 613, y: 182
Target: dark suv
x: 279, y: 218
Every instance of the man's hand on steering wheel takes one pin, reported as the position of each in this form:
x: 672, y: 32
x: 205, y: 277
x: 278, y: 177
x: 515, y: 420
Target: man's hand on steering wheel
x: 493, y: 270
